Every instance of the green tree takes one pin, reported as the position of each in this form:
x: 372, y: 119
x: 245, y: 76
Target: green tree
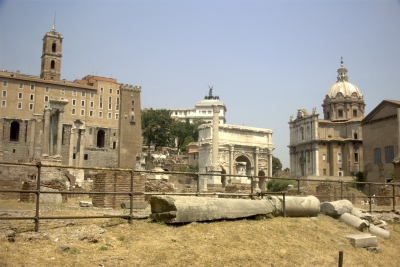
x: 156, y: 128
x: 179, y: 130
x: 276, y: 165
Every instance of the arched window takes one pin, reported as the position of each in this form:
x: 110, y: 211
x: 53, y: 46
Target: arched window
x: 100, y: 138
x: 14, y: 131
x: 54, y: 47
x: 52, y: 64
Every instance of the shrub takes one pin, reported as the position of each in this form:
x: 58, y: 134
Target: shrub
x: 278, y: 185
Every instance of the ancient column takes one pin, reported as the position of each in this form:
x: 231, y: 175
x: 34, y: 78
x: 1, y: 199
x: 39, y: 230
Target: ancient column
x: 231, y: 162
x: 32, y: 139
x: 46, y: 133
x: 59, y: 131
x: 255, y: 180
x: 81, y: 146
x: 270, y: 164
x: 72, y: 144
x: 316, y: 162
x: 216, y: 110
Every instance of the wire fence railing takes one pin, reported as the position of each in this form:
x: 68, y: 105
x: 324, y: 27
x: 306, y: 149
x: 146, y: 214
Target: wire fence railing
x: 199, y: 177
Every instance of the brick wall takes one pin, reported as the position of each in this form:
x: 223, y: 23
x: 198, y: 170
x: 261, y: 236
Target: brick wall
x: 54, y: 184
x: 116, y: 182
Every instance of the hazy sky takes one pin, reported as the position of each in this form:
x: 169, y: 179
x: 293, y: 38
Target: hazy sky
x: 265, y: 59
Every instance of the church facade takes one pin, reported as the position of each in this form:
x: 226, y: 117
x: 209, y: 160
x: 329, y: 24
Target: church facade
x: 331, y: 146
x: 93, y: 121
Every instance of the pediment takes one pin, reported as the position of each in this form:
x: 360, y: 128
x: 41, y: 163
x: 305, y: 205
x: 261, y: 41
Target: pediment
x: 385, y: 109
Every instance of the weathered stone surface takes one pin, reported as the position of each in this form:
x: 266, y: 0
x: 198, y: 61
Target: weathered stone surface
x: 354, y: 221
x: 379, y: 231
x: 362, y: 214
x: 363, y: 240
x: 63, y: 248
x: 50, y: 198
x: 374, y: 249
x: 139, y: 205
x: 381, y: 224
x: 85, y: 204
x: 300, y: 206
x: 336, y: 208
x: 180, y: 209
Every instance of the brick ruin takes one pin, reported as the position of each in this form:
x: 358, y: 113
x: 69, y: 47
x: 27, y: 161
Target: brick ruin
x: 327, y: 192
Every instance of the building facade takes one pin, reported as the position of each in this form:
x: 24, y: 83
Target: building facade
x: 203, y: 110
x: 381, y: 141
x: 86, y: 122
x: 331, y: 146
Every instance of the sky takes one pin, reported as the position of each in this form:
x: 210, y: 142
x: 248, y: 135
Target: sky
x: 264, y: 59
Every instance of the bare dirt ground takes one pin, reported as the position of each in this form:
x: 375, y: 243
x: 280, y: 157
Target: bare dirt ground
x: 113, y: 242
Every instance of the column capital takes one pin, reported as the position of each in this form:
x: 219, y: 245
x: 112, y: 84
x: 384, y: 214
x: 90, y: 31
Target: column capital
x: 216, y: 108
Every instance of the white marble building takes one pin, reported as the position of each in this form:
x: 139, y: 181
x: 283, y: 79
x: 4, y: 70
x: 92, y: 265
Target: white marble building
x: 241, y: 150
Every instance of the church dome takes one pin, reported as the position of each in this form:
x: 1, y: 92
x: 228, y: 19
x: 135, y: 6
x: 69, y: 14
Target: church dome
x: 343, y: 85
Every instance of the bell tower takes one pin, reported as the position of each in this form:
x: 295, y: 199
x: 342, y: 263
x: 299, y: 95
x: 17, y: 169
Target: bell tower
x: 51, y: 56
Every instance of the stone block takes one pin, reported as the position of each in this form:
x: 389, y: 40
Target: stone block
x: 354, y: 221
x: 336, y: 208
x: 50, y: 197
x: 362, y: 240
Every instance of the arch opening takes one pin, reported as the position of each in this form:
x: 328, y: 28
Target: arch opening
x: 100, y: 138
x: 14, y: 131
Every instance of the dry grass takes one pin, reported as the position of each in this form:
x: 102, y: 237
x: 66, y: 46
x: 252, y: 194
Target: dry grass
x: 270, y: 242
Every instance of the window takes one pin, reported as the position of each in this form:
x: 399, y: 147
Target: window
x: 53, y: 47
x: 91, y: 95
x: 62, y: 91
x: 110, y: 103
x: 91, y: 104
x: 31, y: 97
x: 3, y: 103
x: 109, y: 115
x: 82, y: 112
x: 117, y: 92
x: 91, y: 113
x: 21, y: 85
x: 5, y: 83
x: 46, y: 98
x: 101, y: 102
x: 117, y: 105
x: 47, y: 89
x: 32, y: 87
x: 14, y: 131
x: 100, y: 114
x: 4, y: 94
x: 355, y: 113
x: 339, y: 157
x: 389, y: 154
x: 73, y: 111
x: 74, y: 102
x: 377, y: 156
x: 30, y: 106
x: 356, y: 157
x: 116, y: 116
x: 52, y: 64
x: 85, y: 156
x: 133, y: 103
x: 83, y: 103
x: 101, y: 89
x: 110, y: 90
x: 327, y: 115
x: 83, y: 93
x: 74, y: 92
x: 100, y: 138
x: 340, y: 113
x: 324, y: 157
x: 324, y: 170
x: 114, y: 145
x: 355, y: 136
x: 19, y: 105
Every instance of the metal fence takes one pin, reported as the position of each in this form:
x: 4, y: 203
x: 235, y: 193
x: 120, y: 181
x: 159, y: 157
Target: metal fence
x: 195, y: 175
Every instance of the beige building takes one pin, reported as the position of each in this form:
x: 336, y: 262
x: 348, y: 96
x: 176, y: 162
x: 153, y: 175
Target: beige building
x: 381, y: 132
x: 86, y: 122
x: 331, y: 146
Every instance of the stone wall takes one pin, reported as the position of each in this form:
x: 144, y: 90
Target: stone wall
x: 53, y: 184
x: 327, y: 192
x: 12, y: 177
x: 387, y: 191
x: 116, y: 182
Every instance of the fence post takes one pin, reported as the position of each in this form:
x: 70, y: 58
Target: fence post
x: 130, y: 220
x: 369, y: 196
x: 39, y: 167
x: 198, y: 183
x: 340, y: 258
x: 252, y: 181
x: 298, y: 186
x: 284, y: 204
x: 394, y: 198
x: 341, y: 189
